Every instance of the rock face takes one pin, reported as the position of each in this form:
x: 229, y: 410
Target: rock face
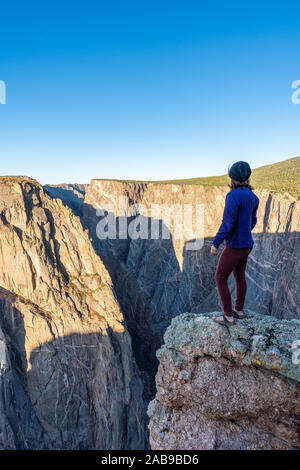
x: 227, y: 388
x: 68, y: 378
x: 168, y: 278
x: 72, y: 195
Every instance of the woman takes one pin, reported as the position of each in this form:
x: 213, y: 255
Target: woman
x: 239, y: 219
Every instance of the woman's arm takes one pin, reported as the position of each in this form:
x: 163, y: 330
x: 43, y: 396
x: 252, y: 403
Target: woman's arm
x: 230, y: 215
x: 254, y: 217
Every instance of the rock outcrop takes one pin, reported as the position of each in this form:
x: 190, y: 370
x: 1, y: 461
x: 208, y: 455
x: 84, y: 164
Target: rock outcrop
x: 68, y: 378
x: 227, y: 388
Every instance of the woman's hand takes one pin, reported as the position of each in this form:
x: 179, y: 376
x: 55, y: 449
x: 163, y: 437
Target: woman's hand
x: 213, y: 250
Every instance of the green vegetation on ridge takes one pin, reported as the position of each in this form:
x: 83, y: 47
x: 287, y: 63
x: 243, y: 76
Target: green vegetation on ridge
x: 280, y: 177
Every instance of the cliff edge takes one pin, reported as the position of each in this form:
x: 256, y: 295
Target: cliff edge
x: 227, y: 388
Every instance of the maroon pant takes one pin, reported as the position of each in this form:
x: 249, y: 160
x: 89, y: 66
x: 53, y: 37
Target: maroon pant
x: 232, y: 260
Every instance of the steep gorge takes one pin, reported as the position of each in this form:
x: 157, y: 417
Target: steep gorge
x: 82, y: 317
x: 172, y: 279
x: 157, y: 279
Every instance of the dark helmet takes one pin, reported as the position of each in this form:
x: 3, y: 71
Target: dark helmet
x: 240, y: 171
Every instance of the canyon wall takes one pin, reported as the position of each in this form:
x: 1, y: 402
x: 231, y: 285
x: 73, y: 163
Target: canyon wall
x: 72, y: 195
x: 68, y: 378
x: 168, y: 277
x: 222, y: 388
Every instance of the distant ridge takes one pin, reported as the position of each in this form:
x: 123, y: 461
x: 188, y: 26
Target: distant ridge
x: 280, y: 177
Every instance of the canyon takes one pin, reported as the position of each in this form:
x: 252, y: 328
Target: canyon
x: 82, y: 318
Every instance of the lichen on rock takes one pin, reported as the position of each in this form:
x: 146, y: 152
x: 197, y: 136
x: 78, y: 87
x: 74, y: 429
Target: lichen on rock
x: 227, y: 388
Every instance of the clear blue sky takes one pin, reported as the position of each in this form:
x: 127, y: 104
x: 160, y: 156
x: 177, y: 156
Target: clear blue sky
x: 146, y: 89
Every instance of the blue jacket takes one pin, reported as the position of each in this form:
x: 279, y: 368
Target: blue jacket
x: 239, y: 219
